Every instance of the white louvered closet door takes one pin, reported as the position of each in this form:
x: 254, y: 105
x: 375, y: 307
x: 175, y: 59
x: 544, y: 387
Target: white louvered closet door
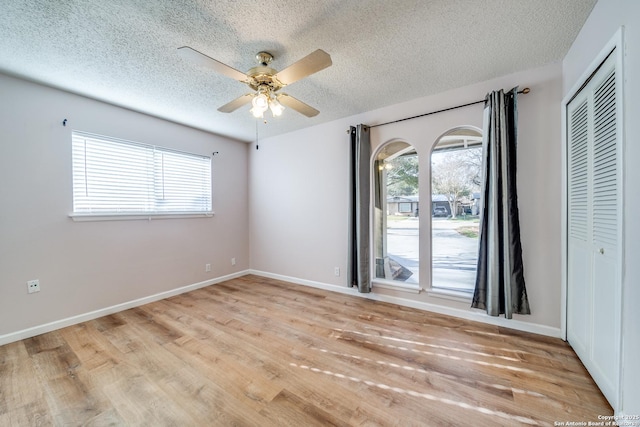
x: 594, y: 227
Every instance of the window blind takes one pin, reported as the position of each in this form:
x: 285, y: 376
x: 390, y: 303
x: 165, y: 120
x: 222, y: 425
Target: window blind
x: 112, y: 176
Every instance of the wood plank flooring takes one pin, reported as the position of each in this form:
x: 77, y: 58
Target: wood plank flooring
x: 260, y: 352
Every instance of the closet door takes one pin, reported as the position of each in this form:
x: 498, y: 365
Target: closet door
x: 579, y: 283
x: 594, y: 227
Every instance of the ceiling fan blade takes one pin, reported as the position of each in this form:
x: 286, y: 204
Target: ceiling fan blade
x: 295, y: 104
x: 236, y: 103
x: 203, y: 60
x: 312, y: 63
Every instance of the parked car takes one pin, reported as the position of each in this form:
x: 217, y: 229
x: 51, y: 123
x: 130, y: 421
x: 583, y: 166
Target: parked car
x: 440, y: 211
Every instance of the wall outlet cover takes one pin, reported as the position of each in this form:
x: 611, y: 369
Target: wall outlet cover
x: 33, y: 286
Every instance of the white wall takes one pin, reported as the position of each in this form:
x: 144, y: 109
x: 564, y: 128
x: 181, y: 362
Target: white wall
x: 86, y: 266
x: 299, y: 193
x: 605, y: 19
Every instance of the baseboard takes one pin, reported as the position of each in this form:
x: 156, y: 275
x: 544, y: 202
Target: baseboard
x: 63, y: 323
x: 475, y: 315
x: 298, y: 281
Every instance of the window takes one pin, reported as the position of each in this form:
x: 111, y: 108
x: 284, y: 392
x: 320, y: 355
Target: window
x: 456, y: 162
x: 116, y: 177
x: 396, y: 224
x: 404, y: 207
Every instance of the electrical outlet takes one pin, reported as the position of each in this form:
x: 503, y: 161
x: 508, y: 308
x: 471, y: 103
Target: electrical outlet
x: 33, y: 286
x: 336, y: 271
x: 233, y: 261
x: 207, y: 268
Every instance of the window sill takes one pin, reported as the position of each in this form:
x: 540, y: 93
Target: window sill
x: 137, y: 217
x: 450, y: 295
x: 387, y: 284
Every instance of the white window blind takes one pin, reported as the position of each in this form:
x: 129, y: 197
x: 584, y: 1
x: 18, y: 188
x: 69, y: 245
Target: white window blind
x: 112, y: 176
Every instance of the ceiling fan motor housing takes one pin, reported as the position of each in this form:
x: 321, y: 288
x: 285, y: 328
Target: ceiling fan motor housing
x: 263, y: 76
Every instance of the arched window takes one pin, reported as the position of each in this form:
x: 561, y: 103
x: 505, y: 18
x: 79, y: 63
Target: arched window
x: 395, y: 222
x: 456, y: 164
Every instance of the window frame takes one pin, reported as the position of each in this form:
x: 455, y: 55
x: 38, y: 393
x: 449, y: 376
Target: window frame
x: 374, y: 167
x: 152, y: 151
x: 472, y: 142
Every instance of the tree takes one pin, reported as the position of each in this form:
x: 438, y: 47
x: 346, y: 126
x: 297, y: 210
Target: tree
x: 402, y: 176
x: 455, y: 174
x: 473, y: 159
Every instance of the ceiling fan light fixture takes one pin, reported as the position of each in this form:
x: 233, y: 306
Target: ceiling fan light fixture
x: 260, y: 101
x: 257, y: 112
x: 276, y: 107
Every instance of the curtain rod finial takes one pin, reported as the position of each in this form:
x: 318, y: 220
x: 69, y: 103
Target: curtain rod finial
x: 526, y: 90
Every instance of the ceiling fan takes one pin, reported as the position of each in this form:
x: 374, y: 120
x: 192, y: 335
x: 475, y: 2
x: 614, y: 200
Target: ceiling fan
x: 265, y: 82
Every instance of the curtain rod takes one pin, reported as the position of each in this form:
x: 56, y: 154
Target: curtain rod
x: 523, y: 91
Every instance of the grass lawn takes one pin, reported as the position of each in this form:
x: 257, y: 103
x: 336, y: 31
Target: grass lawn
x: 471, y: 232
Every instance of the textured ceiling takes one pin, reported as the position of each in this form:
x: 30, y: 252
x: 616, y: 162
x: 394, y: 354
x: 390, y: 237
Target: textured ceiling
x: 383, y: 52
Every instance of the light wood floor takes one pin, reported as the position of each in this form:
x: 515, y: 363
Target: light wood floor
x: 260, y: 352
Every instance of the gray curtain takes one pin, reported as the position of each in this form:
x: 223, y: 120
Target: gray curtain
x: 500, y: 287
x: 358, y: 273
